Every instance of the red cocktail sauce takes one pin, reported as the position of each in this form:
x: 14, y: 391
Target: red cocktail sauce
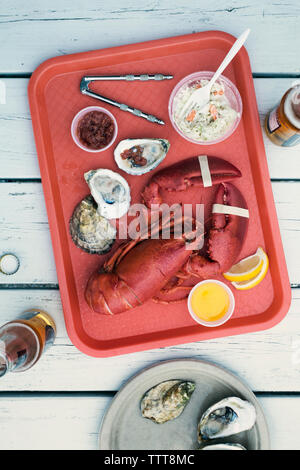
x: 95, y: 130
x: 135, y: 155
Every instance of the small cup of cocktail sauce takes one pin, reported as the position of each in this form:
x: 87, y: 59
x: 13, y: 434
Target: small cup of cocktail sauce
x: 94, y: 129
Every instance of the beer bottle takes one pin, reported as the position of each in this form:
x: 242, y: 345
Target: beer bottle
x: 23, y: 341
x: 282, y: 124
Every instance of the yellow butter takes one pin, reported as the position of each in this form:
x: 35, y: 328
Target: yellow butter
x: 210, y: 301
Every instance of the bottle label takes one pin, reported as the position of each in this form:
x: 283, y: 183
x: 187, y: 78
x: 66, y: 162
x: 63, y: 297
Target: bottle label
x: 273, y: 121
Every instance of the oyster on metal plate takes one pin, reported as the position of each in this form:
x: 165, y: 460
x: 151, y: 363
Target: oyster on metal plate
x: 229, y: 416
x: 110, y: 191
x: 89, y: 230
x: 227, y: 446
x: 167, y: 400
x: 138, y: 156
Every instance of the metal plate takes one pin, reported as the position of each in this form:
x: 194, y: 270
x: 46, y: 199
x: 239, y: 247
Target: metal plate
x: 124, y: 428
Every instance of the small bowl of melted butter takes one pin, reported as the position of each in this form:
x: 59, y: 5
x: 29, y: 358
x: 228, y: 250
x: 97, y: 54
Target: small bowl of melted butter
x: 211, y: 303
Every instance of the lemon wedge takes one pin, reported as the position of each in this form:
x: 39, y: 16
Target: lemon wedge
x: 249, y: 284
x: 248, y: 268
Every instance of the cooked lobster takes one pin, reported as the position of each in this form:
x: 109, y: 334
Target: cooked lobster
x: 149, y: 268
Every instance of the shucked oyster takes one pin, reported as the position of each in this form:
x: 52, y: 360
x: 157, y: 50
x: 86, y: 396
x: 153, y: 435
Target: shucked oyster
x: 110, y: 191
x: 228, y: 446
x: 166, y: 400
x: 89, y: 230
x: 138, y: 156
x: 229, y: 416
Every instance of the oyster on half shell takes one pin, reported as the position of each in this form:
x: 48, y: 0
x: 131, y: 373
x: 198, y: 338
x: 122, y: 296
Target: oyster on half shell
x: 138, y: 156
x: 167, y: 400
x: 110, y: 191
x: 89, y: 230
x: 229, y: 416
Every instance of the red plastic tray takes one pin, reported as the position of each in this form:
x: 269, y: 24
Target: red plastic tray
x: 54, y: 100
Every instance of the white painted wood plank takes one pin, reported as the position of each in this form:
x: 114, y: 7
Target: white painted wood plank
x: 33, y: 423
x: 268, y: 361
x: 24, y: 230
x: 31, y: 32
x: 17, y: 150
x: 283, y: 416
x: 72, y: 422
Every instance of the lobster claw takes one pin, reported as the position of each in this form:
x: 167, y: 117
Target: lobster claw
x: 229, y: 226
x: 225, y: 237
x: 196, y: 171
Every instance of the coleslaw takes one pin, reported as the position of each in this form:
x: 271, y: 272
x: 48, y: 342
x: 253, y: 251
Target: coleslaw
x: 210, y: 122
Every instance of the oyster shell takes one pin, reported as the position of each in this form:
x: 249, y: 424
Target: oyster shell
x: 227, y: 446
x: 110, y: 191
x: 167, y: 400
x: 89, y: 230
x: 229, y: 416
x: 138, y: 156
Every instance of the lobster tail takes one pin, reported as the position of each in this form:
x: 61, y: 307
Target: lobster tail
x: 147, y: 267
x: 108, y: 294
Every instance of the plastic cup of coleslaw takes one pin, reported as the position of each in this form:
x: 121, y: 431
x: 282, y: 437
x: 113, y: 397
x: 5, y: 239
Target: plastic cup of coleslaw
x: 215, y: 122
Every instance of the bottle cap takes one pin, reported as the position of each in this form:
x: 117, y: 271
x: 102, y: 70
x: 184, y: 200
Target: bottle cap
x: 9, y: 264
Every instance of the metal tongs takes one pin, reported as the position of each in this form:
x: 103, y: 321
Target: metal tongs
x: 84, y: 88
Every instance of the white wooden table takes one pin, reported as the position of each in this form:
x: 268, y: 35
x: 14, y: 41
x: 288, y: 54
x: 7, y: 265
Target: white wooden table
x: 59, y: 403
